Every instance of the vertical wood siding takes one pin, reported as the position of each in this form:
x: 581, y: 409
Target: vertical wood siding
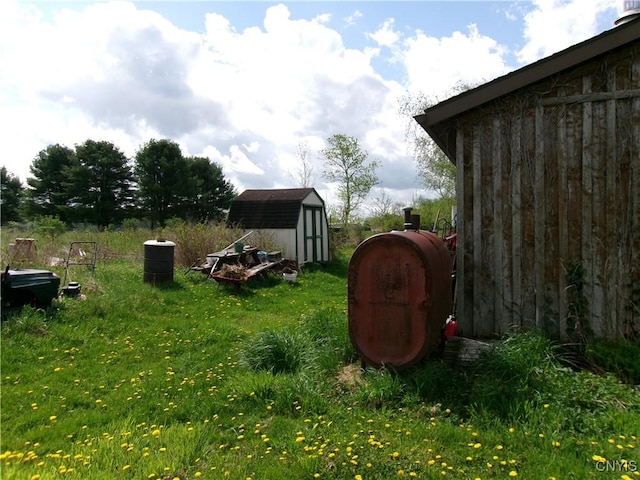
x: 548, y: 183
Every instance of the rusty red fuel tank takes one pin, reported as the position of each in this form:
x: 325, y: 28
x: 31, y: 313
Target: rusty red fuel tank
x: 399, y: 290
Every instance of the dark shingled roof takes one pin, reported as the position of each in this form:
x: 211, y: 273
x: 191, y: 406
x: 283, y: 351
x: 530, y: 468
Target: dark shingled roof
x: 279, y: 208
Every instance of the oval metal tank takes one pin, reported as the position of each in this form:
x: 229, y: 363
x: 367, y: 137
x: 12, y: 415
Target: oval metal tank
x: 399, y: 291
x: 158, y: 261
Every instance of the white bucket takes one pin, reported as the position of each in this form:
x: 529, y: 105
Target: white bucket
x: 290, y: 277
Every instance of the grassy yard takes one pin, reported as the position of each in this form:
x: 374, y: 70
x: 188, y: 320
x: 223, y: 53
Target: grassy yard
x: 198, y: 380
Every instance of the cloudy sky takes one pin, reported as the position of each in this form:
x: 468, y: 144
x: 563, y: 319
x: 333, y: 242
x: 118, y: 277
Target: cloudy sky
x: 244, y: 83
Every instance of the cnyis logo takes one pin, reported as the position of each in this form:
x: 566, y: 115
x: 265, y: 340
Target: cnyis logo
x: 617, y: 466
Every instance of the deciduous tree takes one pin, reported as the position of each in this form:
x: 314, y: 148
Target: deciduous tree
x: 303, y: 171
x: 436, y: 172
x: 346, y: 165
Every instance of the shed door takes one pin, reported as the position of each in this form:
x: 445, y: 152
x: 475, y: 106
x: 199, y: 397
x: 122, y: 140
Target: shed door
x: 314, y: 233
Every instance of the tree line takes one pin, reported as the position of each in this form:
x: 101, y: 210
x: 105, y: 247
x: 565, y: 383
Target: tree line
x: 95, y: 183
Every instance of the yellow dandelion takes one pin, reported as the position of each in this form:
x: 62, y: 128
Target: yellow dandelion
x: 358, y: 477
x: 513, y: 473
x: 401, y: 473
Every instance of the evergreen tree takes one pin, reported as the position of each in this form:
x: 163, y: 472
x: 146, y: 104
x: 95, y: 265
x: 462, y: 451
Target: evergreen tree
x: 100, y: 184
x: 11, y: 195
x: 212, y: 194
x: 48, y: 194
x: 163, y: 181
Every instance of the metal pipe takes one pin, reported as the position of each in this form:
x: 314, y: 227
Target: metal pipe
x: 415, y: 222
x: 408, y: 224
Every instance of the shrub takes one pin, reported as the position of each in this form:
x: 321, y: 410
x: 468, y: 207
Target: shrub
x: 50, y: 227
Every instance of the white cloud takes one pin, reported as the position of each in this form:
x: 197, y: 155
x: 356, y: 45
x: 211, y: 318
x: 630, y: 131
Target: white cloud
x: 244, y: 98
x: 554, y: 25
x: 353, y: 18
x: 385, y: 36
x: 438, y: 65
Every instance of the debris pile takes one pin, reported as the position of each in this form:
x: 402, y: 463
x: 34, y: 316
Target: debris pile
x: 234, y: 272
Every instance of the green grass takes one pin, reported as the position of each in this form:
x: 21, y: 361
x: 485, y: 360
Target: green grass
x: 197, y: 380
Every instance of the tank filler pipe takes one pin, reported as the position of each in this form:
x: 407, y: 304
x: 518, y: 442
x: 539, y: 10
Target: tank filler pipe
x: 415, y: 222
x: 408, y: 224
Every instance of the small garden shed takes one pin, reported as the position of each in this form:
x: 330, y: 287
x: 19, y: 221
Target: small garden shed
x: 296, y: 218
x: 548, y: 192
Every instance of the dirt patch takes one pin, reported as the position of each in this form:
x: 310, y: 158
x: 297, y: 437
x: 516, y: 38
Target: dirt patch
x: 350, y: 376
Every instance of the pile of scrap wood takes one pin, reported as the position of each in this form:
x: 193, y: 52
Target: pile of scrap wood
x: 233, y: 272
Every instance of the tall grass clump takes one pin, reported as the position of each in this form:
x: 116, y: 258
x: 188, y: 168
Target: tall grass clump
x: 25, y: 322
x: 524, y: 380
x: 276, y: 351
x: 435, y: 383
x: 510, y: 376
x: 380, y: 388
x: 621, y: 357
x: 329, y: 335
x: 195, y: 241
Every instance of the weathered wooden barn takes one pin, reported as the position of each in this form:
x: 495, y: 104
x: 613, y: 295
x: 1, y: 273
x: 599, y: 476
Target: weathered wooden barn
x: 548, y: 192
x: 295, y: 218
